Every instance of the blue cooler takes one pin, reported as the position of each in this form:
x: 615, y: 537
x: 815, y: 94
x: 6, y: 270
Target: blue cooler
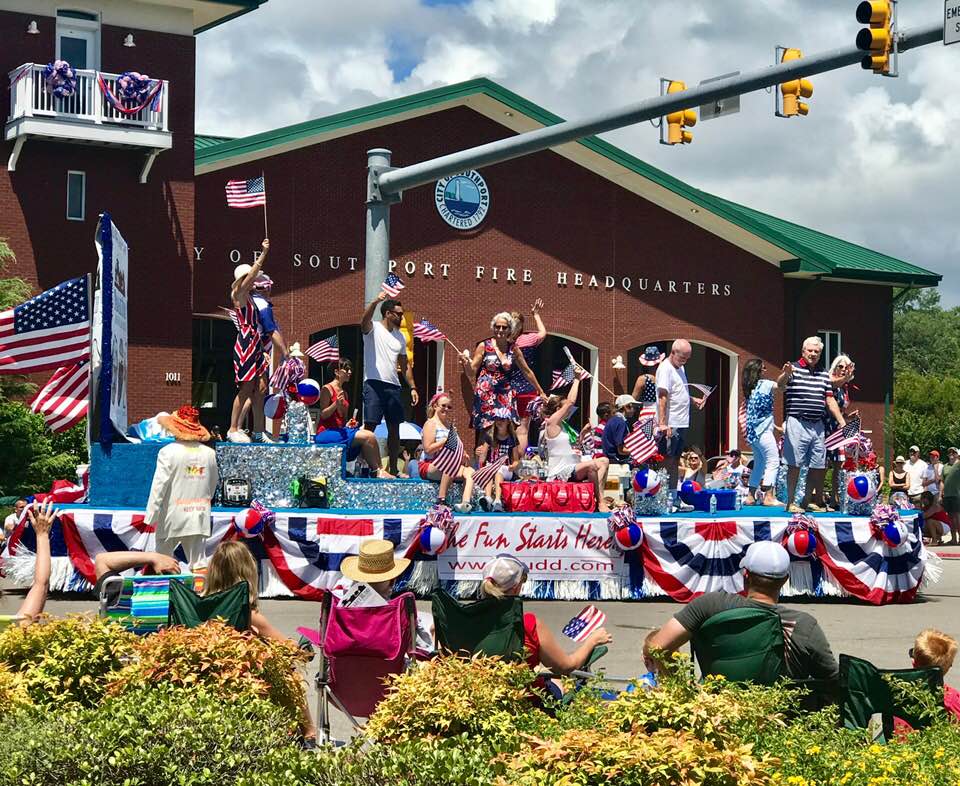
x: 726, y: 499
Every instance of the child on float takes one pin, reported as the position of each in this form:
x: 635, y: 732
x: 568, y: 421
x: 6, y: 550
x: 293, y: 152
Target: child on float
x: 435, y: 433
x: 41, y: 518
x: 333, y: 426
x: 504, y: 442
x: 230, y: 564
x: 250, y: 362
x: 562, y: 462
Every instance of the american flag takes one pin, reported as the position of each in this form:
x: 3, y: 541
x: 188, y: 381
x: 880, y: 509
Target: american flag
x: 392, y: 285
x: 246, y: 193
x: 585, y: 623
x: 232, y: 313
x: 63, y: 400
x: 485, y: 474
x: 449, y: 458
x: 705, y: 389
x: 742, y: 417
x: 325, y: 350
x: 426, y: 332
x: 48, y: 331
x: 640, y: 442
x: 848, y: 435
x: 564, y: 377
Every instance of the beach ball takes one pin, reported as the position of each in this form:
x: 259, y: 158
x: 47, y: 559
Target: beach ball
x: 861, y: 488
x: 894, y: 533
x: 432, y: 540
x: 629, y: 537
x: 646, y: 482
x: 801, y: 543
x: 309, y: 391
x: 251, y: 524
x: 687, y: 489
x: 274, y: 406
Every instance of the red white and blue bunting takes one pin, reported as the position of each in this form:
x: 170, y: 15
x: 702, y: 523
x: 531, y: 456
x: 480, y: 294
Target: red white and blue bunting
x: 136, y: 92
x: 300, y: 552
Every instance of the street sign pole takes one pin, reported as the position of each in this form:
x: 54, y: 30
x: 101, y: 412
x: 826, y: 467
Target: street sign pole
x: 951, y: 22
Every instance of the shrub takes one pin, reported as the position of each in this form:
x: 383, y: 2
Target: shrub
x: 13, y: 693
x: 229, y: 663
x: 153, y: 737
x: 66, y: 660
x: 485, y: 698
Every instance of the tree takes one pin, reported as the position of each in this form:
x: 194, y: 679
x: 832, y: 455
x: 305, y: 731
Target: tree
x: 12, y: 292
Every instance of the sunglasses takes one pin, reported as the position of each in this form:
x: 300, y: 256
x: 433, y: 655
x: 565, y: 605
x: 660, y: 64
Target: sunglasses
x: 501, y: 327
x: 445, y: 406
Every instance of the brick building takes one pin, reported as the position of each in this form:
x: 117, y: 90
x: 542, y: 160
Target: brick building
x: 623, y: 254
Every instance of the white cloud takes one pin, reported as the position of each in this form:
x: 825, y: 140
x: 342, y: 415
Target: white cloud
x: 450, y: 60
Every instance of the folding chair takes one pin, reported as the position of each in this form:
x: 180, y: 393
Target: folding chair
x: 358, y: 648
x: 144, y: 601
x: 742, y: 645
x: 191, y: 610
x: 865, y: 693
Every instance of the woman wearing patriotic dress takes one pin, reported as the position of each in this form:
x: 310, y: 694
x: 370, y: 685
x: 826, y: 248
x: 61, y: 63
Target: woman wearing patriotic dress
x: 645, y: 388
x: 250, y: 362
x: 524, y: 392
x: 435, y: 433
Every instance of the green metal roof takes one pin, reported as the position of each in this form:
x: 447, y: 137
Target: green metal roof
x: 203, y: 141
x: 814, y: 252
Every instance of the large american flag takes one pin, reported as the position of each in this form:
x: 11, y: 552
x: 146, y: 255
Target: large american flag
x: 392, y: 285
x: 48, y: 331
x: 742, y: 417
x: 585, y: 623
x: 449, y: 458
x: 325, y: 350
x: 246, y: 193
x: 63, y: 400
x: 426, y: 331
x: 564, y: 377
x: 848, y: 435
x: 485, y: 474
x: 640, y: 443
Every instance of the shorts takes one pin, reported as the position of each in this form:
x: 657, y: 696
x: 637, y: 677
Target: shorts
x: 671, y: 447
x: 951, y: 505
x: 381, y: 401
x: 339, y: 436
x: 523, y: 402
x: 803, y: 444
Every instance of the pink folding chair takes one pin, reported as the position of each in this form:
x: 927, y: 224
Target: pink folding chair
x: 358, y: 648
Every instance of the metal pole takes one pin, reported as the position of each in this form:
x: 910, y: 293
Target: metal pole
x: 377, y: 251
x: 396, y: 181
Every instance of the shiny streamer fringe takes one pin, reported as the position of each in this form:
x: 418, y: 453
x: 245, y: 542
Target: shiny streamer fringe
x: 63, y: 576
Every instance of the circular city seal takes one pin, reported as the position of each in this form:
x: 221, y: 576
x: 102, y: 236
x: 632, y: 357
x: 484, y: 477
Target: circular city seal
x: 462, y: 199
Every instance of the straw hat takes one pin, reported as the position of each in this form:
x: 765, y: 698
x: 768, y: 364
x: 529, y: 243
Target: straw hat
x: 240, y: 271
x: 375, y: 562
x: 185, y: 425
x: 294, y: 351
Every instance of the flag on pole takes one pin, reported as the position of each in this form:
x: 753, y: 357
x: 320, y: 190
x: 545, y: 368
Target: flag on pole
x: 564, y: 377
x: 232, y: 313
x: 48, y: 331
x: 640, y: 443
x: 705, y: 389
x: 427, y: 332
x: 449, y: 458
x: 742, y: 417
x: 325, y: 350
x: 485, y: 474
x: 392, y: 285
x: 585, y: 623
x: 848, y: 435
x: 63, y: 400
x: 246, y: 193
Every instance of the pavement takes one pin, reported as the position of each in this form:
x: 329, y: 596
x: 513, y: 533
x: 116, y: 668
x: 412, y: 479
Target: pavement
x: 881, y: 634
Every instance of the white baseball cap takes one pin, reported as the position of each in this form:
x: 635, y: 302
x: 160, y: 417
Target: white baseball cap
x: 766, y: 558
x: 625, y: 398
x: 914, y: 448
x: 506, y: 571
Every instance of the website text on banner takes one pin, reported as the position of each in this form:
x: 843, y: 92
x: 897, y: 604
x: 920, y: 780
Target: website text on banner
x: 552, y: 547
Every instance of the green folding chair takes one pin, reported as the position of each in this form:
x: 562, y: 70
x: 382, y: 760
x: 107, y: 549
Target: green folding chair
x: 191, y: 610
x: 864, y: 693
x: 142, y: 603
x: 742, y: 645
x: 484, y: 627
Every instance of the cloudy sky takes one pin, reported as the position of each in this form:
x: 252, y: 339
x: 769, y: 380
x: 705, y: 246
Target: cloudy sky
x: 877, y: 161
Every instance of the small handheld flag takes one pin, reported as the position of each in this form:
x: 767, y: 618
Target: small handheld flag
x: 640, y: 443
x: 705, y: 389
x: 325, y: 350
x: 564, y: 377
x: 392, y: 285
x: 585, y: 623
x: 848, y: 435
x: 427, y: 332
x: 246, y: 193
x: 485, y: 474
x: 449, y: 458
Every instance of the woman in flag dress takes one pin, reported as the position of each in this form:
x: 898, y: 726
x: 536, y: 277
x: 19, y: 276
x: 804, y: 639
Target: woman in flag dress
x: 249, y: 360
x: 645, y: 388
x: 841, y: 375
x: 524, y: 392
x: 434, y: 437
x: 493, y: 363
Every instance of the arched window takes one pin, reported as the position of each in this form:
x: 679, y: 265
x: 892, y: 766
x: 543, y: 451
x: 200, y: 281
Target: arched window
x: 550, y: 357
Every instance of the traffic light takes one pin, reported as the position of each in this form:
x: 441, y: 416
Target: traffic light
x: 879, y: 38
x: 794, y: 90
x: 678, y: 121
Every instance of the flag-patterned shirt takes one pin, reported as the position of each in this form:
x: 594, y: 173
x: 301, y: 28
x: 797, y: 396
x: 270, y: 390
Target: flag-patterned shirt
x: 807, y: 391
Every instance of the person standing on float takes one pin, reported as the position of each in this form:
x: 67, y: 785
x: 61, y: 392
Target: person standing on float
x: 527, y: 343
x: 249, y: 361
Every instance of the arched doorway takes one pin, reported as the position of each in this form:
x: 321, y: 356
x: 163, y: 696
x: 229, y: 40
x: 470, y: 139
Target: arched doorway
x: 213, y: 384
x: 550, y: 357
x: 715, y: 428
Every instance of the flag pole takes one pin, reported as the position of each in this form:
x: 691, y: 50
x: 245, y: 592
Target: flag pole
x: 90, y: 367
x: 452, y: 345
x: 264, y: 178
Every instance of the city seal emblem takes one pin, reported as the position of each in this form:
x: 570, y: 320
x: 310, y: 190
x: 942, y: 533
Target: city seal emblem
x: 462, y: 199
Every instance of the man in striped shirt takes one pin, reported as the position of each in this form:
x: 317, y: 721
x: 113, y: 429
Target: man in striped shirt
x: 807, y: 393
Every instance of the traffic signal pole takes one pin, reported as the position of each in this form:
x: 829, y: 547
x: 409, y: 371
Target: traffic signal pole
x: 386, y: 184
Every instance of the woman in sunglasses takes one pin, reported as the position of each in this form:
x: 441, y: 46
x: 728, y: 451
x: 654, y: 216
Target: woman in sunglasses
x: 435, y: 433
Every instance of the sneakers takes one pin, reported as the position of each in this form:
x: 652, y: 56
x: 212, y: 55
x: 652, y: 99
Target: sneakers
x: 486, y: 504
x: 497, y: 506
x: 237, y: 436
x: 262, y: 437
x: 795, y: 509
x: 463, y: 507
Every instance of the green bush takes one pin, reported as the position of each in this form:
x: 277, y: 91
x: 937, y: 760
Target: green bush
x: 32, y: 457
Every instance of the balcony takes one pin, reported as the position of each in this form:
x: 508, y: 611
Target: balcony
x: 86, y: 117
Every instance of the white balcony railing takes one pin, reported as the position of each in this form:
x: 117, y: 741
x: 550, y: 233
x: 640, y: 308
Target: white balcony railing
x: 29, y: 97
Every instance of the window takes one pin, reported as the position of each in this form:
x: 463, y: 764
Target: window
x: 78, y: 34
x: 831, y: 346
x: 76, y: 195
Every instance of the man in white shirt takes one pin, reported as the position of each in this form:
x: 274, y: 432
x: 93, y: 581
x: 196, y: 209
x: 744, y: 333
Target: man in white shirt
x: 11, y: 521
x: 916, y: 469
x: 673, y: 406
x: 383, y: 349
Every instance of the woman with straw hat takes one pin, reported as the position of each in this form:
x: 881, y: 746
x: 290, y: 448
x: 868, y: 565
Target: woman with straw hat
x: 184, y: 483
x: 375, y: 565
x: 249, y: 361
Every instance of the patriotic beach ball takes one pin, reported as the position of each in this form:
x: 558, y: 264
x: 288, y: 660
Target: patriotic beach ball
x: 629, y: 537
x: 251, y: 524
x: 432, y: 540
x: 687, y: 489
x: 861, y: 488
x: 894, y: 533
x: 801, y: 543
x: 274, y: 406
x: 646, y: 482
x: 309, y: 391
